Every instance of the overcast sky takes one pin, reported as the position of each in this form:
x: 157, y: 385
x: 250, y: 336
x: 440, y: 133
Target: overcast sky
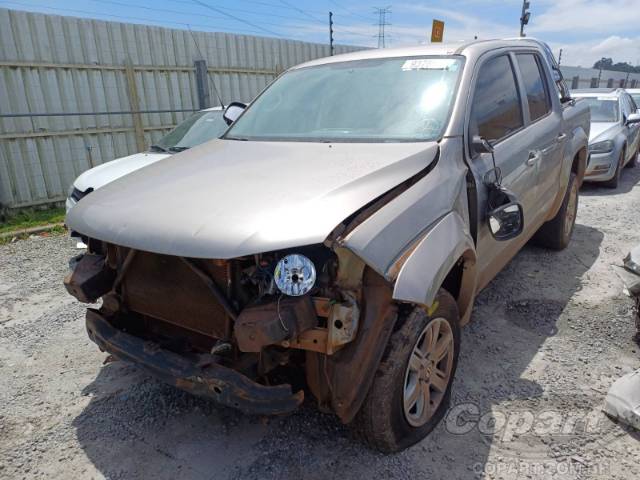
x: 586, y: 30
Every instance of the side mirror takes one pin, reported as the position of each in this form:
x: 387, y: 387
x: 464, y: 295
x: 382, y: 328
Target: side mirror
x: 506, y: 222
x: 505, y: 215
x: 633, y: 118
x: 233, y: 111
x: 481, y: 145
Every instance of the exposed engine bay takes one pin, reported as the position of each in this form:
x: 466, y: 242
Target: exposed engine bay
x: 266, y: 321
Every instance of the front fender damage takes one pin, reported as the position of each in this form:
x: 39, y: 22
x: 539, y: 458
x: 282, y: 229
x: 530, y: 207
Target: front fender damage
x: 341, y: 381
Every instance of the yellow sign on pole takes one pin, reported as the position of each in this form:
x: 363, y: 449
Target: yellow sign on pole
x: 437, y: 31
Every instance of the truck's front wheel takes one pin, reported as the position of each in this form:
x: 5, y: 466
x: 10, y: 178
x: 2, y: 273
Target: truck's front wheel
x: 411, y: 389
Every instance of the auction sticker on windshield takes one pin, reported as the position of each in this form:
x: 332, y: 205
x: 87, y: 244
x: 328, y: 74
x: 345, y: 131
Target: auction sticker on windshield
x: 431, y: 64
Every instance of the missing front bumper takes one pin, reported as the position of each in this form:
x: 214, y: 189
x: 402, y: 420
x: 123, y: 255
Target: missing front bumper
x: 220, y: 383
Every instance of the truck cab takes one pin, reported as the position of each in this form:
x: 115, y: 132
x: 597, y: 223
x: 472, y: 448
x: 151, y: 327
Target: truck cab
x: 338, y: 232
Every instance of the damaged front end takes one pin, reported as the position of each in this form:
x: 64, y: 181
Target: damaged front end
x: 224, y: 329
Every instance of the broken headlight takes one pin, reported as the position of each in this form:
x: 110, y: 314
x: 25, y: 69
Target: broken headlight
x: 295, y: 275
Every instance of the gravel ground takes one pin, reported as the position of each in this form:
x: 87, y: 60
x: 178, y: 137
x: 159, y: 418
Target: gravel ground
x: 548, y: 337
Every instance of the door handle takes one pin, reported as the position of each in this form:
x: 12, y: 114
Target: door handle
x: 533, y: 158
x: 562, y: 136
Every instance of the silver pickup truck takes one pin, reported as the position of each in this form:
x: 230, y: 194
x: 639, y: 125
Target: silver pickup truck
x: 332, y: 242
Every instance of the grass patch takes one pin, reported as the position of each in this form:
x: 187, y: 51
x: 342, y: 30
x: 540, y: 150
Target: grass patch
x: 53, y: 231
x: 32, y: 218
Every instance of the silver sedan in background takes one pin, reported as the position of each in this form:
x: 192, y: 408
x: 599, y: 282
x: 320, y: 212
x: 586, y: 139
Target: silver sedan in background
x: 615, y: 133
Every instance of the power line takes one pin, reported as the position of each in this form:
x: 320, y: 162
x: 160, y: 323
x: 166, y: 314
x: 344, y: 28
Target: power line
x: 135, y: 19
x: 187, y: 24
x: 350, y: 12
x: 155, y: 9
x: 304, y: 12
x: 240, y: 10
x: 215, y: 9
x: 382, y: 23
x: 275, y: 5
x: 350, y: 32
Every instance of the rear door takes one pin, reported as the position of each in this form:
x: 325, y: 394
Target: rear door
x: 497, y: 114
x: 543, y: 121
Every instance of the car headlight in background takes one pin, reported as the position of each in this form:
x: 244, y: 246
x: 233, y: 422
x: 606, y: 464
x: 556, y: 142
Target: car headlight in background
x: 295, y: 275
x: 601, y: 147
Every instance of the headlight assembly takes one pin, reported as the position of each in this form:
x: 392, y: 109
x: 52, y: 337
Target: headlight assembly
x: 601, y: 147
x: 295, y: 275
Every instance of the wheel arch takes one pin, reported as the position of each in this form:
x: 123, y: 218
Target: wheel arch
x: 444, y: 257
x: 579, y: 164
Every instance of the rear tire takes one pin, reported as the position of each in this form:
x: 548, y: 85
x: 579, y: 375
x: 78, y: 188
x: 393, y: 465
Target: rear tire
x: 411, y: 390
x: 556, y: 233
x: 613, y: 183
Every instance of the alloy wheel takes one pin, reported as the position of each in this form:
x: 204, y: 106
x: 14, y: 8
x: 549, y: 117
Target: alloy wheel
x: 428, y: 372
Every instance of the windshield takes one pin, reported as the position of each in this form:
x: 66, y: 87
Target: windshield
x: 379, y: 100
x: 198, y: 128
x: 603, y: 109
x: 636, y: 98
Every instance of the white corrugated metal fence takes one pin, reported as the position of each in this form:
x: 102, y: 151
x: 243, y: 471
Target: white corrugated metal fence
x: 55, y: 64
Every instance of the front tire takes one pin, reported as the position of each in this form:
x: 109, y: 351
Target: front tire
x: 556, y: 233
x: 411, y: 390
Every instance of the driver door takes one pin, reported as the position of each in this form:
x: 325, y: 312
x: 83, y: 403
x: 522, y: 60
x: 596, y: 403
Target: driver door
x: 497, y: 114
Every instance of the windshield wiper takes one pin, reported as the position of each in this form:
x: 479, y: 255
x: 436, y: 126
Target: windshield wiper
x: 240, y: 139
x: 158, y: 147
x: 178, y: 149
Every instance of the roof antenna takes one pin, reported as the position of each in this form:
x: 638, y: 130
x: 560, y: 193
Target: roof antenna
x: 213, y: 84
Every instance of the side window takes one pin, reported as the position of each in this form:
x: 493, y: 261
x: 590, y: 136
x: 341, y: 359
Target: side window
x: 629, y: 104
x: 534, y: 84
x: 496, y: 110
x: 626, y: 107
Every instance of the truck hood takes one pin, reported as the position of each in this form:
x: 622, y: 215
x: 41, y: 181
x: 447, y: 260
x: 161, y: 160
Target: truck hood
x: 109, y: 171
x: 226, y: 198
x: 602, y: 131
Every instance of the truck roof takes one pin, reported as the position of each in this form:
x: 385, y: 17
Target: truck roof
x: 468, y: 48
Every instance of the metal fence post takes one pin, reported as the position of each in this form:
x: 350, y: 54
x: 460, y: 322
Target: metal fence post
x: 134, y: 101
x: 202, y: 84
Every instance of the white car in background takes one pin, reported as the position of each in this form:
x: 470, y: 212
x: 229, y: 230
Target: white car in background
x: 201, y: 127
x: 615, y: 133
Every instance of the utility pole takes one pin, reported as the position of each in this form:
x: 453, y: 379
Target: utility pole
x: 382, y: 23
x: 330, y: 33
x: 600, y: 70
x: 525, y: 16
x: 560, y: 57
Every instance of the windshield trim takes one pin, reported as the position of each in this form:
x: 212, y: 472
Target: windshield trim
x: 227, y: 134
